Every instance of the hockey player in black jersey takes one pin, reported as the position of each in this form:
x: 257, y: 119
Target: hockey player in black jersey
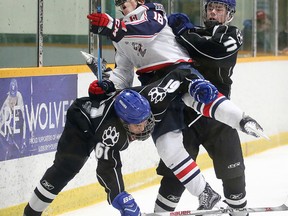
x: 214, y: 49
x: 110, y: 121
x: 143, y: 40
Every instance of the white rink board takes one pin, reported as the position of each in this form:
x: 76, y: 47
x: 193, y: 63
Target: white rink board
x: 259, y: 88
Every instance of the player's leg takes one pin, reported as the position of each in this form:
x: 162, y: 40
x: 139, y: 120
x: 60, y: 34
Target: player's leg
x: 223, y: 145
x: 170, y: 190
x: 72, y: 153
x: 235, y: 194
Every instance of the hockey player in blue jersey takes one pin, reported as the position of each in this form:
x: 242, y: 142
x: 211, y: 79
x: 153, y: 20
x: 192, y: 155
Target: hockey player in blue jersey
x: 108, y: 121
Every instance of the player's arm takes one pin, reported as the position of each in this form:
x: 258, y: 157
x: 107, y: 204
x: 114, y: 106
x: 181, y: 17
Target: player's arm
x: 142, y: 28
x: 110, y: 177
x: 224, y: 41
x: 147, y: 28
x: 108, y: 170
x: 225, y: 111
x: 123, y: 73
x: 177, y: 82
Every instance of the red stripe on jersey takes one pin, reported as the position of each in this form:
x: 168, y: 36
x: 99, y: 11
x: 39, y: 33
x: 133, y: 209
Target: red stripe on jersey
x: 207, y: 107
x: 186, y: 170
x: 161, y: 66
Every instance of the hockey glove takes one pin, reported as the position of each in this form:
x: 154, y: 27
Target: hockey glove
x: 251, y: 127
x: 179, y: 22
x: 126, y: 204
x: 103, y: 24
x: 100, y: 90
x: 203, y: 91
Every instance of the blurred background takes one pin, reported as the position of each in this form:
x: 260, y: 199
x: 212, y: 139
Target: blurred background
x: 37, y: 33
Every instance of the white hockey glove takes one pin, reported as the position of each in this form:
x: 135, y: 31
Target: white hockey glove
x: 250, y: 126
x: 126, y: 204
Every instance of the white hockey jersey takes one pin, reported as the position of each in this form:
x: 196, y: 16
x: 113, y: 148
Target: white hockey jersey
x: 148, y: 45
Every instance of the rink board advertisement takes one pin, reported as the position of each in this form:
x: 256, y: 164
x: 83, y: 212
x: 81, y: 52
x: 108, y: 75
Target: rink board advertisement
x: 33, y: 113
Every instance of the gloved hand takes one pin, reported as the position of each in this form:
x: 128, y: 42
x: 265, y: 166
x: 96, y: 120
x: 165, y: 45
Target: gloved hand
x: 102, y: 23
x: 251, y: 127
x: 126, y: 204
x: 99, y: 89
x: 203, y: 91
x: 179, y: 22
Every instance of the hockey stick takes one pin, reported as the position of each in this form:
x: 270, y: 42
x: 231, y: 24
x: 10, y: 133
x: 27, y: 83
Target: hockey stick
x: 99, y: 46
x: 219, y: 211
x: 92, y: 63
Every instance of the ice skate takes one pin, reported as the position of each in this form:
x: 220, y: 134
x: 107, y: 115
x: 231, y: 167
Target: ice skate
x: 208, y: 198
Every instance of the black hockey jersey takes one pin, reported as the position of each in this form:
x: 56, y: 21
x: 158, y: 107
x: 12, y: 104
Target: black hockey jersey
x: 105, y: 132
x: 214, y: 51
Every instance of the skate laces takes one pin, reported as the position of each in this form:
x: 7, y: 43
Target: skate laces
x: 208, y: 198
x: 203, y: 198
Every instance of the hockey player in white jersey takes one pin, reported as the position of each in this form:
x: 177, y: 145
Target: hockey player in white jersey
x: 144, y: 41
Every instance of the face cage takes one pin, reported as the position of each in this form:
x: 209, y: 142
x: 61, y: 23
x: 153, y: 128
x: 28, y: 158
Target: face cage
x: 147, y: 130
x: 229, y: 15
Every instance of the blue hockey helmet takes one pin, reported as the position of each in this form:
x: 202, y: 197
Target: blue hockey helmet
x: 230, y: 5
x: 13, y: 88
x: 133, y: 108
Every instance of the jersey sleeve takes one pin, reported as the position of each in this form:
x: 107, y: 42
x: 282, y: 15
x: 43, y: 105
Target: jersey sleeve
x: 108, y: 170
x: 146, y: 27
x: 123, y: 73
x: 223, y: 42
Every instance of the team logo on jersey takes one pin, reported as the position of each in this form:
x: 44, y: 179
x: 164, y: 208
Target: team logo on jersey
x: 110, y: 136
x: 139, y: 48
x: 47, y: 185
x: 157, y: 94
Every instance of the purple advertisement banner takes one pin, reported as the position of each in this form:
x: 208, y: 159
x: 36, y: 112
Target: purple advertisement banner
x: 33, y: 113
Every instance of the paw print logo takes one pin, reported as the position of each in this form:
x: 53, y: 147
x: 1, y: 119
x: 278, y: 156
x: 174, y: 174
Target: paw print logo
x: 157, y: 94
x: 110, y: 136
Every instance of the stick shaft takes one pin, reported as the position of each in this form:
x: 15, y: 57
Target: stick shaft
x: 99, y: 46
